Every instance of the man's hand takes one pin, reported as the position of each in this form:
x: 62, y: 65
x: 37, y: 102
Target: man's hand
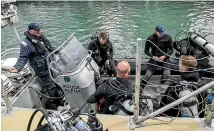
x: 13, y: 70
x: 107, y: 62
x: 162, y: 58
x: 156, y: 58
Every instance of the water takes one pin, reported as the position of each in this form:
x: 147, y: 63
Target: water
x: 125, y: 21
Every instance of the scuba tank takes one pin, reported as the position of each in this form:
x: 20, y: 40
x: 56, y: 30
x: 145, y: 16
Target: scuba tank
x: 203, y: 43
x: 94, y: 122
x: 127, y: 107
x: 189, y: 108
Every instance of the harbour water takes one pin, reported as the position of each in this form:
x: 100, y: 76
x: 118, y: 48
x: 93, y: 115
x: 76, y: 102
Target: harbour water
x: 124, y: 21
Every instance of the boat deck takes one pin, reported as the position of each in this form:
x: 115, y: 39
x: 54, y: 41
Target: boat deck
x: 19, y: 121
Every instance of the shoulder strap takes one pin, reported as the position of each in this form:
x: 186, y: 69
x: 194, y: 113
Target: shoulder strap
x: 115, y: 84
x: 40, y: 48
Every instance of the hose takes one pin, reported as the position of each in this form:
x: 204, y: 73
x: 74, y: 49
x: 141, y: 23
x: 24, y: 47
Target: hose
x: 177, y: 65
x: 40, y: 121
x: 45, y: 115
x: 175, y: 57
x: 190, y: 111
x: 46, y: 95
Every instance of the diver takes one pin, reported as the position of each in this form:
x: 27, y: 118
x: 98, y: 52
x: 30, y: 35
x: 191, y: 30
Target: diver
x: 176, y: 90
x: 164, y: 42
x: 102, y: 53
x: 111, y: 91
x: 187, y: 47
x: 35, y: 48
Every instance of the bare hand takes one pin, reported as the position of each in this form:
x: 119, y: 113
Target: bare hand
x: 162, y: 58
x: 13, y: 70
x: 156, y: 58
x: 107, y: 62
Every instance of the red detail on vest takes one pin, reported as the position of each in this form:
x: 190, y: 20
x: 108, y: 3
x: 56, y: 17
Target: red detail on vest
x: 99, y: 105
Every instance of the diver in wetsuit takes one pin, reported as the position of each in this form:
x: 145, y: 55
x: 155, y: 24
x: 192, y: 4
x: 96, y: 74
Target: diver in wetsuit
x: 187, y: 47
x: 102, y: 52
x: 110, y: 91
x: 164, y: 42
x: 186, y: 67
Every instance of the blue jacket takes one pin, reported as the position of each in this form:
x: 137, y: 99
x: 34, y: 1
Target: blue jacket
x: 35, y: 50
x: 26, y: 49
x: 31, y: 47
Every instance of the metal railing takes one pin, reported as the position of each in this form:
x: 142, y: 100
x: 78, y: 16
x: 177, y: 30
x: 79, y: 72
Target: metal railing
x: 5, y: 97
x: 137, y: 121
x: 13, y: 53
x: 137, y: 79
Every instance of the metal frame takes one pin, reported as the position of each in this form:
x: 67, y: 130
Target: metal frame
x: 53, y: 52
x: 5, y: 97
x: 177, y: 102
x: 9, y: 53
x: 137, y: 78
x: 78, y: 69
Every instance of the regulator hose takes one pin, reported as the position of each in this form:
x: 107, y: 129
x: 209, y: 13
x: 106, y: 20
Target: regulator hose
x: 43, y: 111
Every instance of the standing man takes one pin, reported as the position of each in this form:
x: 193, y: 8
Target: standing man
x: 35, y: 48
x: 102, y: 52
x: 157, y: 56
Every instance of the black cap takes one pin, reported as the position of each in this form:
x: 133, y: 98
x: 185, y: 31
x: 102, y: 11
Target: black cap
x: 33, y: 26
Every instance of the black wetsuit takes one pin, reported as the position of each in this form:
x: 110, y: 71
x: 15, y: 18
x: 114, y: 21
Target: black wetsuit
x: 164, y: 44
x: 107, y: 95
x: 101, y: 53
x: 173, y: 92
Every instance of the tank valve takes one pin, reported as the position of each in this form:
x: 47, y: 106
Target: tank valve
x: 93, y: 122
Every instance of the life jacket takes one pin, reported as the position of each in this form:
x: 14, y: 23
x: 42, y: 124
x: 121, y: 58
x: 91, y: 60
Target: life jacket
x: 38, y: 57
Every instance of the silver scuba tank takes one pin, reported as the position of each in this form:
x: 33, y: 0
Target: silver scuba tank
x: 202, y: 43
x: 129, y: 106
x: 189, y: 108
